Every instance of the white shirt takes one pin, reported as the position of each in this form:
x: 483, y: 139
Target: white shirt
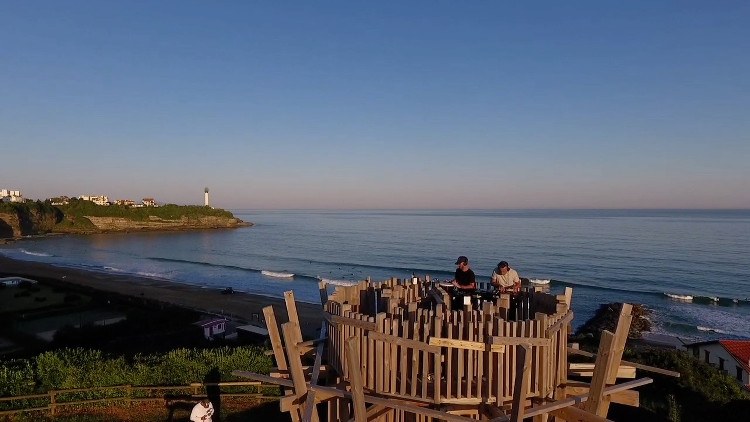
x: 508, y: 280
x: 202, y: 414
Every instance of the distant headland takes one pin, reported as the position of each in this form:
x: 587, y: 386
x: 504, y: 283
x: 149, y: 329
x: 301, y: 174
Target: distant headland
x: 82, y: 216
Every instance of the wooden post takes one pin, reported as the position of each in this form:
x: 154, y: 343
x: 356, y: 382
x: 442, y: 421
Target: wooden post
x: 523, y: 373
x: 355, y: 381
x: 310, y: 409
x: 290, y: 331
x: 273, y: 333
x: 621, y: 337
x: 52, y: 400
x: 604, y: 361
x: 291, y: 307
x: 323, y: 292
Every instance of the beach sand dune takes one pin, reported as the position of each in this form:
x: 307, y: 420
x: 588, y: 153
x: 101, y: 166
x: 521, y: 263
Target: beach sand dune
x: 243, y: 307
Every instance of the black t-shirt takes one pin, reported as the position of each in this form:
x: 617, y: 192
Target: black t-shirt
x: 464, y: 278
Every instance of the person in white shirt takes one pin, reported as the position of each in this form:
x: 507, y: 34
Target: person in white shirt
x: 505, y: 278
x: 202, y: 411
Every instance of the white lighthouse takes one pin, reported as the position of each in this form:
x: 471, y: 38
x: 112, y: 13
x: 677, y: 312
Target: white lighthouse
x: 206, y: 197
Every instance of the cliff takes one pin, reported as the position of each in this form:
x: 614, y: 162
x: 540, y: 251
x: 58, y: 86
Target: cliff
x: 119, y: 224
x: 25, y: 220
x: 17, y: 220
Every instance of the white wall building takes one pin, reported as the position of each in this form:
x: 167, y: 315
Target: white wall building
x: 97, y: 199
x: 8, y: 195
x: 730, y: 356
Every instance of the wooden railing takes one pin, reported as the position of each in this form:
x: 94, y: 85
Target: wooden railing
x: 125, y: 394
x: 438, y: 356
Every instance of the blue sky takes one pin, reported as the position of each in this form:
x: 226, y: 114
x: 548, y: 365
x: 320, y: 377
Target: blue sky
x: 353, y: 104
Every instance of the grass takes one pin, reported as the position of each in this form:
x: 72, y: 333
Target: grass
x: 18, y: 300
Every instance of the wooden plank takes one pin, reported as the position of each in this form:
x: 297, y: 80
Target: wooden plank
x: 404, y: 342
x: 310, y: 402
x: 436, y: 361
x: 380, y: 322
x: 559, y: 404
x: 273, y: 334
x: 351, y: 322
x: 395, y: 358
x: 522, y: 339
x: 355, y: 381
x: 405, y: 359
x: 392, y: 403
x: 415, y: 355
x: 560, y: 323
x: 603, y: 363
x: 521, y: 385
x: 458, y: 344
x: 372, y: 362
x: 322, y: 288
x: 628, y: 363
x: 460, y: 375
x: 574, y: 414
x: 587, y: 370
x: 480, y: 368
x: 373, y: 412
x: 291, y: 307
x: 627, y: 397
x: 290, y: 331
x: 448, y: 330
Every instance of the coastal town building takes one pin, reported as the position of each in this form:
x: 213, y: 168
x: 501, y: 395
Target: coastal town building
x: 125, y: 202
x: 97, y: 199
x: 60, y: 200
x: 8, y: 195
x: 730, y: 356
x: 212, y: 327
x: 148, y: 202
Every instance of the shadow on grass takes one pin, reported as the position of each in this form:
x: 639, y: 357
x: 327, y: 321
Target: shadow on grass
x: 268, y: 411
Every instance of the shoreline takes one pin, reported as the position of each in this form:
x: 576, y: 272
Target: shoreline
x: 242, y: 306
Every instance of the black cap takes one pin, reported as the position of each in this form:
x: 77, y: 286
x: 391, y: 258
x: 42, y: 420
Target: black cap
x: 461, y: 259
x: 503, y: 264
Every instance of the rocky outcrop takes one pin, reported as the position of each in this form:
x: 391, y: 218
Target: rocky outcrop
x: 118, y: 224
x: 606, y: 319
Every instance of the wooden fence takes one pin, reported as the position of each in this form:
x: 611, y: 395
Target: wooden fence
x: 125, y: 394
x: 437, y: 356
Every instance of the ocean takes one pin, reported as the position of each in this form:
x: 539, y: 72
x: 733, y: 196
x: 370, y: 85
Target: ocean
x: 648, y: 257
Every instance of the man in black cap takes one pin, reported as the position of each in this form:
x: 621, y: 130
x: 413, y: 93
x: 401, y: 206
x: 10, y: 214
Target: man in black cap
x: 464, y: 278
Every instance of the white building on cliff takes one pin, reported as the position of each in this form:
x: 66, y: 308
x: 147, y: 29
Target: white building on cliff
x: 7, y: 195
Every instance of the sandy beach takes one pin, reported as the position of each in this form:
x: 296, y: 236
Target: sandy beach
x: 243, y: 307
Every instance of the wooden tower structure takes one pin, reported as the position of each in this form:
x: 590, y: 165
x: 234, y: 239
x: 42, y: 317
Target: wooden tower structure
x: 397, y: 351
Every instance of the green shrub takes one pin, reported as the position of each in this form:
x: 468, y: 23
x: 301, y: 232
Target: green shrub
x: 702, y: 392
x: 16, y: 377
x: 84, y: 368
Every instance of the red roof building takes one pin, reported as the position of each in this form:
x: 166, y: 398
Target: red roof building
x: 730, y: 356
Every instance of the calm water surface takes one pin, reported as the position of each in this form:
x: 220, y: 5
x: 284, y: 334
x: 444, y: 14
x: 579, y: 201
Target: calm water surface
x: 606, y: 256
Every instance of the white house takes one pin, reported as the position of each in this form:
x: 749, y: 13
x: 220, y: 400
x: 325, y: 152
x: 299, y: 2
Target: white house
x: 212, y: 327
x: 8, y: 195
x: 97, y: 199
x: 730, y: 356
